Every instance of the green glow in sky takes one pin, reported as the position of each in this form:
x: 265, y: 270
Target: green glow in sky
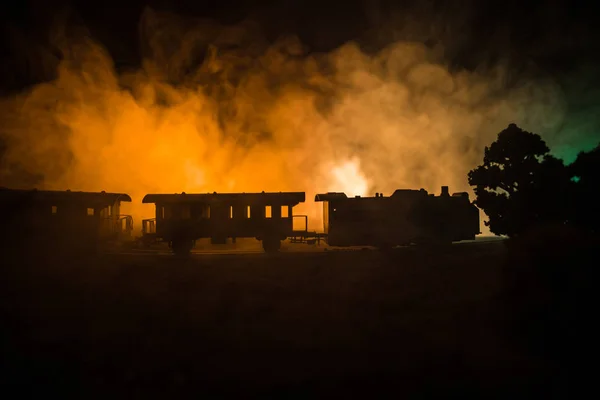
x: 568, y: 153
x: 576, y: 135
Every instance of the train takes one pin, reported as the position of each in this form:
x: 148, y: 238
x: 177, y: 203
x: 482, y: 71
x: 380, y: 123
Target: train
x: 90, y: 220
x: 62, y: 219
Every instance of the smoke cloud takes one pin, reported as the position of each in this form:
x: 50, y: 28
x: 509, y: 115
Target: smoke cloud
x: 219, y: 108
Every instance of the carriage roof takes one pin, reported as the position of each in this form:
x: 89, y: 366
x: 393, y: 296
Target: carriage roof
x: 263, y: 198
x: 55, y: 197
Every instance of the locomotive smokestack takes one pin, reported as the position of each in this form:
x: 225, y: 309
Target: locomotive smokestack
x: 445, y: 191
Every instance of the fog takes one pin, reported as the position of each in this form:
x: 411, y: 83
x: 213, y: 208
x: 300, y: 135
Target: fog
x: 220, y: 108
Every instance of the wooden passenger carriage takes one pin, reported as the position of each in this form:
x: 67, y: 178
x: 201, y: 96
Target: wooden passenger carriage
x: 63, y: 218
x: 181, y: 219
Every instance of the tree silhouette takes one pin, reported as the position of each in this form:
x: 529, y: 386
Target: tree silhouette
x: 519, y: 183
x: 586, y: 173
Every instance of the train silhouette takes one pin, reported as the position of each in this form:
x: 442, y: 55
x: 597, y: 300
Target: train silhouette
x: 89, y: 220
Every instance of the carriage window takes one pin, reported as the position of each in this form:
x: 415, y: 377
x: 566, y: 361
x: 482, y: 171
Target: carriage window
x: 248, y: 212
x: 268, y: 212
x: 54, y: 209
x: 230, y: 211
x: 285, y: 211
x: 199, y: 211
x: 90, y: 212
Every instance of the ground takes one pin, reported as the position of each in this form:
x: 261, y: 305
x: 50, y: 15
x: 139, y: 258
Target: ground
x: 403, y: 322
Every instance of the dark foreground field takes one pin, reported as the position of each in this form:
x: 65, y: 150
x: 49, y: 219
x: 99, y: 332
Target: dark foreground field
x: 434, y: 322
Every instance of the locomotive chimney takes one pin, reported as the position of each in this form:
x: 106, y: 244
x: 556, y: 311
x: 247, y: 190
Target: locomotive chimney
x: 445, y: 191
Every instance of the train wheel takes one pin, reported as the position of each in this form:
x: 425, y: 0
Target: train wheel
x: 182, y: 247
x: 271, y: 245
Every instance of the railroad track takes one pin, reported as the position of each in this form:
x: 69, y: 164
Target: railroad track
x: 288, y: 248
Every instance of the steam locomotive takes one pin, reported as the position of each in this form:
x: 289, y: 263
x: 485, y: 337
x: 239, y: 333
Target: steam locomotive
x: 90, y: 219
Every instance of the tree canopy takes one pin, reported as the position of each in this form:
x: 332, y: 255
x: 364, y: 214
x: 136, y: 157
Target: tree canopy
x: 520, y: 185
x: 585, y: 170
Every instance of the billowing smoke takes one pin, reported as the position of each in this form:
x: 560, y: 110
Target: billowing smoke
x: 219, y: 108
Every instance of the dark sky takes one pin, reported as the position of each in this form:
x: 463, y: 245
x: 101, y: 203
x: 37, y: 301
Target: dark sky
x: 556, y: 35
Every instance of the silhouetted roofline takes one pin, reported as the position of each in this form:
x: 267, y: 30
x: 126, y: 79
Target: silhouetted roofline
x: 410, y: 192
x: 330, y: 196
x: 283, y: 198
x: 62, y: 196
